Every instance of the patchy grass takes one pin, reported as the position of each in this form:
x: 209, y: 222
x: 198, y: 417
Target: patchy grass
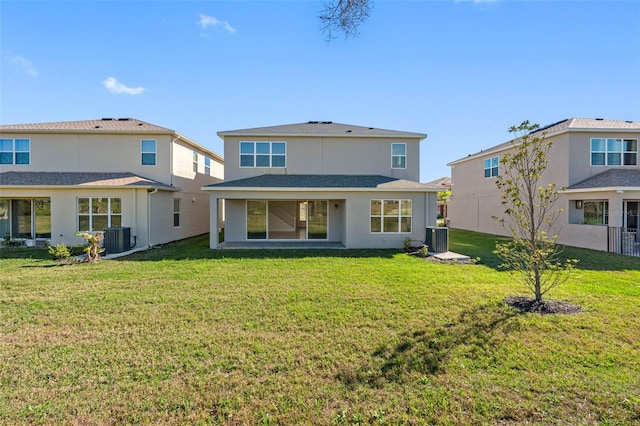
x: 183, y: 334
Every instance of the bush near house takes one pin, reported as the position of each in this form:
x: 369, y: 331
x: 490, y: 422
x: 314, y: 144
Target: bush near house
x: 187, y: 335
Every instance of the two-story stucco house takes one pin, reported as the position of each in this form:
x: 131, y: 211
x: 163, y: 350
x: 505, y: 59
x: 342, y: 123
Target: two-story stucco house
x: 596, y: 161
x: 337, y: 184
x: 57, y: 179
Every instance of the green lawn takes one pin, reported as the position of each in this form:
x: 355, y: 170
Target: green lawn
x: 185, y: 335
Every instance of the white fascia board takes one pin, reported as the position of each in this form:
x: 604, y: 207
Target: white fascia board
x: 620, y: 189
x: 302, y: 189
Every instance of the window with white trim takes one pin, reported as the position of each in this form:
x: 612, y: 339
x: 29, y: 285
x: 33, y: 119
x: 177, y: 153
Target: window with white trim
x: 595, y: 212
x: 614, y: 152
x: 15, y: 151
x: 176, y: 212
x: 398, y: 155
x: 98, y: 213
x: 195, y: 161
x: 390, y: 216
x: 207, y: 166
x: 148, y: 149
x: 491, y: 167
x: 263, y: 154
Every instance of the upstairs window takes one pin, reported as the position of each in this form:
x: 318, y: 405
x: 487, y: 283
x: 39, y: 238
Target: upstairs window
x: 491, y: 166
x: 148, y: 152
x: 263, y: 154
x: 195, y: 161
x: 15, y: 151
x: 614, y: 152
x: 207, y: 166
x: 398, y: 155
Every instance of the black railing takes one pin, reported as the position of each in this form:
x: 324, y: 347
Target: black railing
x: 624, y: 241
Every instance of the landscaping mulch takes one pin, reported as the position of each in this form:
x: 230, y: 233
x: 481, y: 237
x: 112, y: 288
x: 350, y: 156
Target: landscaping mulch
x: 545, y: 307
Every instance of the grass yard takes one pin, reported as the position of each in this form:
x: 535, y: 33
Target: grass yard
x: 185, y: 335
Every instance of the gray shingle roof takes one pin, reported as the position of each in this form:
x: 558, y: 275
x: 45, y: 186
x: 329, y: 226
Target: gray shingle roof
x: 612, y: 178
x: 321, y: 128
x: 324, y: 182
x: 124, y: 179
x: 104, y: 125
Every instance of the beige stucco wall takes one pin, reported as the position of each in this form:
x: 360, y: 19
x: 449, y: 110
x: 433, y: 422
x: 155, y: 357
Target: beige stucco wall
x: 121, y: 153
x: 327, y: 156
x: 475, y: 199
x: 64, y: 211
x: 349, y: 223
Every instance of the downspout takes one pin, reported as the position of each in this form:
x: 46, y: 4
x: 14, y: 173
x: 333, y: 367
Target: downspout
x: 173, y: 140
x: 149, y: 194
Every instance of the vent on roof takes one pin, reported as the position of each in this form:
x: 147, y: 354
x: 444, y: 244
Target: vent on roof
x: 628, y: 121
x: 599, y: 119
x: 370, y: 128
x: 97, y: 127
x: 140, y: 124
x: 348, y: 131
x: 107, y: 119
x: 313, y: 122
x: 124, y: 119
x: 549, y: 125
x: 326, y: 122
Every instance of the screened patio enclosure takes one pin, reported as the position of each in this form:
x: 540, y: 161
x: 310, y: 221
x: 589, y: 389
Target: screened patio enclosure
x: 287, y: 220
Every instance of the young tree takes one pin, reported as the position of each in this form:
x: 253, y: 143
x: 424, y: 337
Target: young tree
x: 530, y: 213
x: 344, y: 16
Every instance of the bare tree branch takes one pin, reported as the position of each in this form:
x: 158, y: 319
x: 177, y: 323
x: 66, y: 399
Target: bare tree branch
x: 344, y: 16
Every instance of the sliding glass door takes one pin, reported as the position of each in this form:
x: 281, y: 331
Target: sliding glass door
x: 287, y: 220
x: 317, y: 215
x: 25, y: 218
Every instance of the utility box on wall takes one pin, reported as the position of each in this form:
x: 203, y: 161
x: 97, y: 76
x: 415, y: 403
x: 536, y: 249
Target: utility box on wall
x: 117, y: 240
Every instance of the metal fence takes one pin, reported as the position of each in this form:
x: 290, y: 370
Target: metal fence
x: 624, y: 241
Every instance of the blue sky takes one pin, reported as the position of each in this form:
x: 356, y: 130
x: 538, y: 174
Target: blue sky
x: 461, y: 71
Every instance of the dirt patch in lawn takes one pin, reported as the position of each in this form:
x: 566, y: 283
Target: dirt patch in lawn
x: 545, y: 307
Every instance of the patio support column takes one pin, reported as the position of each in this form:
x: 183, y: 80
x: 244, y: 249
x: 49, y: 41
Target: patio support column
x: 616, y: 209
x: 213, y: 222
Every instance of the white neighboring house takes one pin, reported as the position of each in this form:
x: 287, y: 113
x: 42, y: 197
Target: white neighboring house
x: 322, y: 184
x: 596, y: 160
x: 60, y: 178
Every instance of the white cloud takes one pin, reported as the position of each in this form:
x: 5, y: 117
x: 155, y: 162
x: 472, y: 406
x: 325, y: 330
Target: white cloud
x: 24, y: 63
x: 211, y: 21
x: 114, y: 86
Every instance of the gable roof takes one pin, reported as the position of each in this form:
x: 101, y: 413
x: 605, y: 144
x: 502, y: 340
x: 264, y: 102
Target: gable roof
x: 104, y: 126
x: 612, y: 178
x: 321, y: 129
x: 563, y: 126
x: 443, y: 182
x: 81, y: 179
x: 322, y: 182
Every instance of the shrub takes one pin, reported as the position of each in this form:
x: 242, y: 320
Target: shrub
x: 59, y: 252
x: 424, y: 251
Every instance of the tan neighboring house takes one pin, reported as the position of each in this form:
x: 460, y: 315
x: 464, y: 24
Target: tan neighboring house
x: 596, y: 160
x: 444, y: 183
x: 57, y: 179
x: 322, y: 184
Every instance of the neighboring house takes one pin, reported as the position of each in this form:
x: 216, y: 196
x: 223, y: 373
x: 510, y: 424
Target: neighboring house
x: 60, y: 178
x: 596, y: 161
x: 343, y: 185
x: 444, y: 183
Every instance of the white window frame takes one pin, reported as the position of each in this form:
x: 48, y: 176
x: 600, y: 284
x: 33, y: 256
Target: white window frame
x: 605, y: 211
x: 255, y: 155
x: 399, y: 216
x: 176, y: 212
x: 14, y: 151
x: 399, y: 156
x: 207, y: 165
x: 622, y: 152
x: 491, y: 168
x: 110, y: 214
x: 154, y: 152
x: 195, y: 161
